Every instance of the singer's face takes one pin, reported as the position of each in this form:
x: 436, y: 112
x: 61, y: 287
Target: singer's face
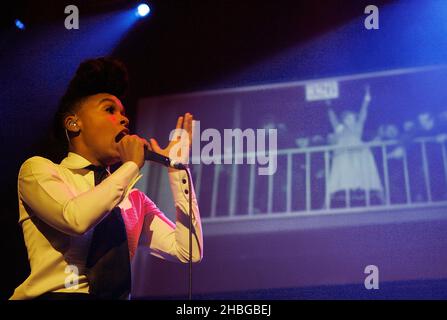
x: 102, y: 118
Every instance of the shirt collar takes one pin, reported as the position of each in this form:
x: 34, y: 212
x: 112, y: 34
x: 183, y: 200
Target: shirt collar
x: 75, y: 161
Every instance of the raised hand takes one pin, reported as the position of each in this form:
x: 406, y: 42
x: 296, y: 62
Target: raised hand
x: 180, y: 140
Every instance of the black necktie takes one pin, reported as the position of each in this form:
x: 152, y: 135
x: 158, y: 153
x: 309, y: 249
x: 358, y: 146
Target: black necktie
x: 108, y: 258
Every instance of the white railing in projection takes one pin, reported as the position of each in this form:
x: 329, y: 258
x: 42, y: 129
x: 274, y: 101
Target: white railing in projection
x: 411, y: 174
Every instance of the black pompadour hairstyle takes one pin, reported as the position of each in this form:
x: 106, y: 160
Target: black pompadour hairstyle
x: 93, y: 76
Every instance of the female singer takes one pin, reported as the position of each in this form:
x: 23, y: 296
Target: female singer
x: 82, y: 223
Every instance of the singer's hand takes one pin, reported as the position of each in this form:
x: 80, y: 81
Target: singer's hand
x: 131, y: 148
x: 180, y: 143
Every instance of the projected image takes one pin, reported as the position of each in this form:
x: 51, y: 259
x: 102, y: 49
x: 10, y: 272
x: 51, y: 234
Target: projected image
x: 357, y: 143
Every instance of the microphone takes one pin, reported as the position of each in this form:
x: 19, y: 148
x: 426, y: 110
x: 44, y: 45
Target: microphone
x: 156, y: 157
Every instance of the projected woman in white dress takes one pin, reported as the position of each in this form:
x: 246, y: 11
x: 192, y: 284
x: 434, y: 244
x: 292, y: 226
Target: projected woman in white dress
x: 353, y: 165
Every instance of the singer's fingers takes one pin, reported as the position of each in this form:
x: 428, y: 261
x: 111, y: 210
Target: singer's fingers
x: 131, y: 137
x: 179, y: 122
x: 187, y: 125
x: 154, y: 145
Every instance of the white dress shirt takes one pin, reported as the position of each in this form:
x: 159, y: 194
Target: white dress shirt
x: 59, y: 206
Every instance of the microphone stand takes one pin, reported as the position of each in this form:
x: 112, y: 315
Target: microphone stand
x: 190, y: 234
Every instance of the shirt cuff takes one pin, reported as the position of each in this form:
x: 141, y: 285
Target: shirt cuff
x: 178, y: 181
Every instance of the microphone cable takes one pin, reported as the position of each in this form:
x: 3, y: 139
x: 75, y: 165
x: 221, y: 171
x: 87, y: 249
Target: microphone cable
x: 190, y: 233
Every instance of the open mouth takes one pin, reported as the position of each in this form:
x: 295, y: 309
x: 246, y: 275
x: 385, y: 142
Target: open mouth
x: 121, y: 135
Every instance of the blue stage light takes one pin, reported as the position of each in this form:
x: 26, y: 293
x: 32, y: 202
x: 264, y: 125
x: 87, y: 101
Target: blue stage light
x: 143, y: 10
x: 19, y: 24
